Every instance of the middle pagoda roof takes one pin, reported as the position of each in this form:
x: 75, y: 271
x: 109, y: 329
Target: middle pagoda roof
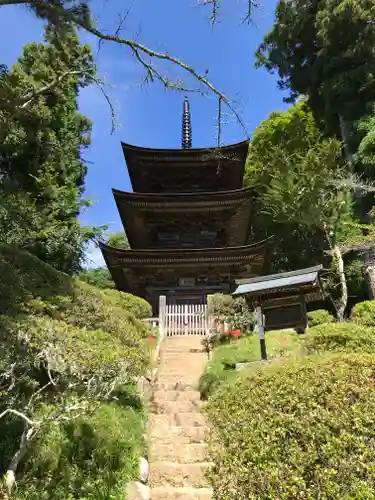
x: 225, y: 215
x: 186, y: 170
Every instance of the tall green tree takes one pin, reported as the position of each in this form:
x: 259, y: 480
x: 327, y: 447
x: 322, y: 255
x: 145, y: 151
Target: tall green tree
x: 325, y: 50
x: 41, y: 163
x: 301, y: 183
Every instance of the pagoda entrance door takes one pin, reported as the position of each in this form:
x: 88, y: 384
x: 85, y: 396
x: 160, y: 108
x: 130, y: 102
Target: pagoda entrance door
x: 182, y: 318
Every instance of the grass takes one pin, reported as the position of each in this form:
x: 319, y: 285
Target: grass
x: 220, y: 368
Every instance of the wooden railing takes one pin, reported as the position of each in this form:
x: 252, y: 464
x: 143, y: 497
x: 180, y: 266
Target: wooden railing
x: 185, y: 319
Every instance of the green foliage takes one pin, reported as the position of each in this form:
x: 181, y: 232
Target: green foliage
x: 70, y: 348
x: 297, y: 173
x: 298, y: 429
x: 303, y: 185
x: 137, y: 306
x: 25, y: 277
x: 319, y: 317
x: 365, y: 154
x: 234, y: 311
x: 343, y: 337
x: 364, y: 313
x: 324, y: 50
x: 88, y: 459
x: 42, y: 139
x: 118, y: 240
x: 99, y: 277
x: 220, y: 369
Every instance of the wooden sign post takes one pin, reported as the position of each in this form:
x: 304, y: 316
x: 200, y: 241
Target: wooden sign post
x: 262, y: 340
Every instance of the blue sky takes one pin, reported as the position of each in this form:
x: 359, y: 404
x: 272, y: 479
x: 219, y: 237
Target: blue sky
x: 149, y: 115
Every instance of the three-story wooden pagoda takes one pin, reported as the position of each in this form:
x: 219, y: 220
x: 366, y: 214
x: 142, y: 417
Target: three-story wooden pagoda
x: 187, y: 221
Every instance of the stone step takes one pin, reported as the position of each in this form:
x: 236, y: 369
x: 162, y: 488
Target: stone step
x: 175, y: 474
x: 172, y: 407
x: 173, y: 434
x: 177, y: 419
x: 182, y: 339
x: 173, y: 385
x: 169, y: 380
x: 177, y: 452
x: 171, y: 493
x: 177, y: 367
x: 180, y: 373
x: 173, y: 395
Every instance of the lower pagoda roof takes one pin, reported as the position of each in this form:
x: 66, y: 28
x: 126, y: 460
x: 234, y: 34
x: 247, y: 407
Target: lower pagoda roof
x: 130, y: 269
x: 226, y: 213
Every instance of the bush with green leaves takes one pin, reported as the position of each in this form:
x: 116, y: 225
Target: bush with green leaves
x: 296, y: 429
x: 98, y: 276
x: 234, y: 311
x: 364, y: 313
x: 343, y: 337
x: 319, y: 317
x: 221, y: 367
x: 66, y: 349
x: 91, y: 458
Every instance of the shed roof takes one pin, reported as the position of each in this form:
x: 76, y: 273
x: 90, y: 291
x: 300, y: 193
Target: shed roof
x: 265, y: 284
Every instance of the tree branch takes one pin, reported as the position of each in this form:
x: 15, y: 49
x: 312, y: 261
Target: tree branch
x: 18, y: 414
x: 135, y: 47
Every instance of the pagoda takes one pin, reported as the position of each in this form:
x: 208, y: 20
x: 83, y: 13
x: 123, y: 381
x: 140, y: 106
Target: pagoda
x: 188, y: 222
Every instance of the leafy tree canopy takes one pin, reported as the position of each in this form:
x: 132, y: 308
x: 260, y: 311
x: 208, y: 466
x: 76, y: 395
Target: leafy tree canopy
x: 118, y: 240
x: 324, y: 49
x: 99, y: 277
x: 41, y: 163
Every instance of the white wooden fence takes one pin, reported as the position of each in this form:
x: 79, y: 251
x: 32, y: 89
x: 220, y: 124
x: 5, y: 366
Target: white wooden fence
x: 185, y: 319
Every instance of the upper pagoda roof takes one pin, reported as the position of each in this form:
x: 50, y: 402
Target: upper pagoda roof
x: 183, y: 170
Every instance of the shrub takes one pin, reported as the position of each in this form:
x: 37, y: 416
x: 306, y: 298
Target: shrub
x: 364, y: 313
x: 29, y: 285
x: 300, y: 429
x: 224, y: 357
x: 65, y: 348
x: 236, y: 312
x: 344, y: 337
x: 91, y: 458
x: 25, y: 277
x: 319, y: 317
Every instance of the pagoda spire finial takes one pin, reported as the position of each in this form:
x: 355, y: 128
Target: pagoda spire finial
x: 186, y: 141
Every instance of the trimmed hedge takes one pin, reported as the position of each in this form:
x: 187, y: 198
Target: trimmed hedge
x: 319, y: 317
x: 364, y: 313
x: 91, y: 338
x: 343, y: 337
x: 299, y: 429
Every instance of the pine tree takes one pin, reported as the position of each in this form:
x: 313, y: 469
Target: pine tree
x: 41, y: 163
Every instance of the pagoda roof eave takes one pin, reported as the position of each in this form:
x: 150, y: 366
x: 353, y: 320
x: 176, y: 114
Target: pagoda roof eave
x: 147, y: 167
x: 185, y: 254
x: 129, y: 267
x: 211, y: 196
x: 183, y: 152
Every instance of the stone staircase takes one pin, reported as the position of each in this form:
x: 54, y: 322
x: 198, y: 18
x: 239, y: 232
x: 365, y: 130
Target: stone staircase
x: 177, y: 428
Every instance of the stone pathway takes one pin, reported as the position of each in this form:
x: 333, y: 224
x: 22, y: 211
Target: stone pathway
x: 177, y: 428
